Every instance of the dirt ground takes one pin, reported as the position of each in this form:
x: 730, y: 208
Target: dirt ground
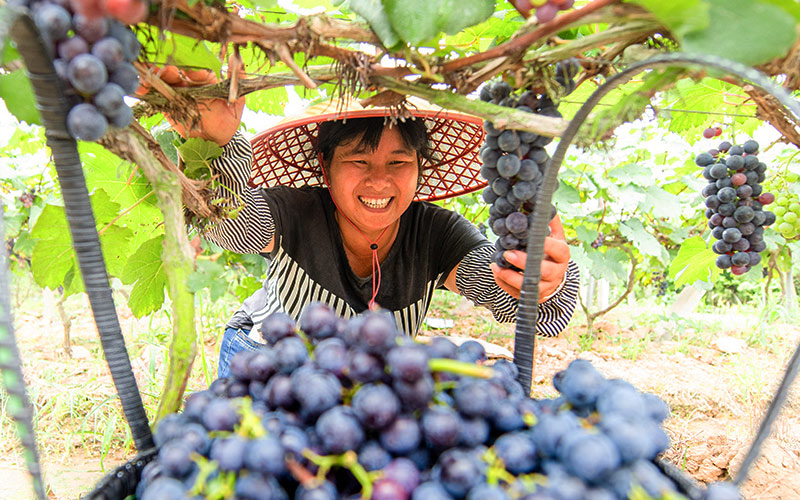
x: 717, y: 388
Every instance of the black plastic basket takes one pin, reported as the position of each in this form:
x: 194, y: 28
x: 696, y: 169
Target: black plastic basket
x: 122, y: 482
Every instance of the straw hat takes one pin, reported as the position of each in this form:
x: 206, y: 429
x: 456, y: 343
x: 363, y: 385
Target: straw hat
x: 284, y: 155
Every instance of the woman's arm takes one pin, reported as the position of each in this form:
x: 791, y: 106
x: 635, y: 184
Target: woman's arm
x: 477, y: 279
x: 252, y: 229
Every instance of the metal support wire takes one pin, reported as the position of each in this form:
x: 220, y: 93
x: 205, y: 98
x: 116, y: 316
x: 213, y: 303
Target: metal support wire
x: 526, y: 317
x: 19, y: 406
x: 53, y: 108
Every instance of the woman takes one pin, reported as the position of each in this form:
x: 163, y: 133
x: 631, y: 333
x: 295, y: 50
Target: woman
x: 362, y: 237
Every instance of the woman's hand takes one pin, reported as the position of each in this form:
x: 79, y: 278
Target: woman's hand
x: 219, y: 119
x: 554, y: 264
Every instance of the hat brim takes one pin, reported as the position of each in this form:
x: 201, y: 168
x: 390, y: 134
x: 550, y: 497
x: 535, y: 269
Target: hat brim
x: 285, y: 155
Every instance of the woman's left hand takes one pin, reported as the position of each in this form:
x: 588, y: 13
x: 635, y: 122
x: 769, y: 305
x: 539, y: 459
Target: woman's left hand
x: 554, y: 264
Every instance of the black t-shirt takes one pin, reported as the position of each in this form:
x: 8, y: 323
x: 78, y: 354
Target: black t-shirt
x: 308, y: 262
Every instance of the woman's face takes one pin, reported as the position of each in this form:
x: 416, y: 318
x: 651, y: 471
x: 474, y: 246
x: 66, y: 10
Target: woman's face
x: 374, y: 188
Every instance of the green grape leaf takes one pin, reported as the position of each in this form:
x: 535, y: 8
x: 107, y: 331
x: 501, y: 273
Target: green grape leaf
x: 680, y: 16
x: 585, y: 234
x: 633, y: 173
x: 207, y: 275
x: 197, y: 155
x: 375, y: 14
x: 53, y: 257
x: 419, y: 20
x: 271, y: 101
x: 567, y: 200
x: 763, y: 31
x: 660, y: 203
x: 7, y: 53
x: 126, y: 186
x: 166, y: 138
x: 24, y: 244
x: 646, y: 243
x: 17, y: 93
x: 179, y: 50
x: 247, y: 287
x: 145, y: 269
x: 694, y: 262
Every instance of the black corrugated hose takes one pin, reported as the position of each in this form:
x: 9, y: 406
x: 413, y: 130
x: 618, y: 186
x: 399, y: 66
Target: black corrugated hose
x: 526, y: 317
x: 53, y: 108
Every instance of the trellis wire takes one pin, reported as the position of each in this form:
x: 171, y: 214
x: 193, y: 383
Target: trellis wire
x: 53, y: 108
x: 528, y: 310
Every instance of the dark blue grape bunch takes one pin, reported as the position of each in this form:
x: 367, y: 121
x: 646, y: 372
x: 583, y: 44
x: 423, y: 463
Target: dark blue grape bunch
x: 92, y: 55
x: 342, y: 406
x: 735, y: 200
x: 659, y: 279
x: 514, y: 162
x: 599, y: 241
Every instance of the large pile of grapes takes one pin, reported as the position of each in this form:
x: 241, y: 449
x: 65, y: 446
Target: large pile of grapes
x: 735, y: 204
x: 348, y: 409
x: 93, y: 54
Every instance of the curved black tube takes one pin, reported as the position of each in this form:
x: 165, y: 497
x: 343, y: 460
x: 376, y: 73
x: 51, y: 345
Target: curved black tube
x: 121, y: 482
x: 526, y: 317
x: 53, y: 108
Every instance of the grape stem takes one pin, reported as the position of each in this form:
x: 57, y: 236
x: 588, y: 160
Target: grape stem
x: 347, y: 460
x: 460, y: 368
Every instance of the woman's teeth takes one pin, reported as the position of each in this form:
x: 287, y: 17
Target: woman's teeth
x: 375, y: 202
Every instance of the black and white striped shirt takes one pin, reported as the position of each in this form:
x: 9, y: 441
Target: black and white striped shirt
x: 308, y: 262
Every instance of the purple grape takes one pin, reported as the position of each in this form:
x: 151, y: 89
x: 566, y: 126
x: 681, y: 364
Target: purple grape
x: 375, y: 406
x: 408, y: 362
x: 401, y: 436
x: 372, y: 456
x: 517, y: 451
x: 110, y: 51
x: 229, y: 453
x: 440, y: 427
x: 339, y: 430
x: 266, y: 455
x: 175, y: 459
x: 72, y: 47
x: 87, y: 74
x: 86, y: 123
x: 318, y: 320
x: 91, y: 29
x: 126, y: 77
x: 52, y: 20
x: 123, y: 118
x: 220, y: 416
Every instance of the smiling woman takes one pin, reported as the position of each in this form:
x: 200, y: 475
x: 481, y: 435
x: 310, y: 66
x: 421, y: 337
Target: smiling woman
x: 336, y: 201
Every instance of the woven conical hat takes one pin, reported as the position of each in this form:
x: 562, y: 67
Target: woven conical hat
x: 284, y: 155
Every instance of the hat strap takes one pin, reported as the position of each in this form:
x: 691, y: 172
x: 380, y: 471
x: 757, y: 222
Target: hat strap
x: 373, y: 245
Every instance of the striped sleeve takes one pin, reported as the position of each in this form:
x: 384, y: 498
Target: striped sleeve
x: 475, y: 281
x: 252, y: 227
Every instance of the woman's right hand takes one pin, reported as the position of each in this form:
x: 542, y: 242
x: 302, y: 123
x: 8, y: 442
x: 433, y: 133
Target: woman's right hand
x: 219, y: 119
